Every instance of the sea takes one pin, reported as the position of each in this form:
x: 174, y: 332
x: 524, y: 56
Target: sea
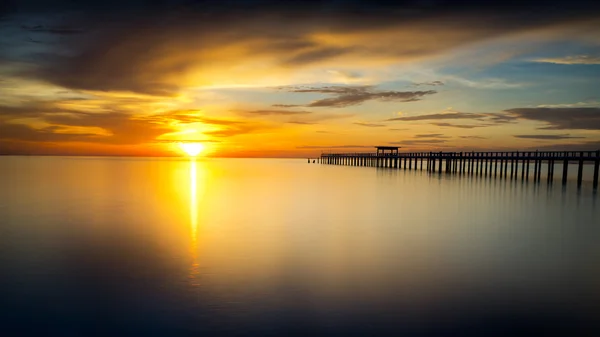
x: 118, y: 246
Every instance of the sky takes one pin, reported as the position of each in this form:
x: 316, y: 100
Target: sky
x: 294, y: 79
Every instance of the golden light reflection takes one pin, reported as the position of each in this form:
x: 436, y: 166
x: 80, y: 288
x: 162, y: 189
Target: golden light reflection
x: 195, y: 267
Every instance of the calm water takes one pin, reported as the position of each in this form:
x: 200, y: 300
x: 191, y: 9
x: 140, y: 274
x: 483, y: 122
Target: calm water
x: 261, y: 247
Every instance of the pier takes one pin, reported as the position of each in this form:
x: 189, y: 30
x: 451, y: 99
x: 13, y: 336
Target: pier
x: 523, y: 165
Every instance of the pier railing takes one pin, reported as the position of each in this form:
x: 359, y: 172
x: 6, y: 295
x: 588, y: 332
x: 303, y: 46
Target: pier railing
x: 487, y: 163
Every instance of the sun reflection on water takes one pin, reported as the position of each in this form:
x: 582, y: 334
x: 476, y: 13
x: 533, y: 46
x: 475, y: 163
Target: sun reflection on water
x: 195, y: 266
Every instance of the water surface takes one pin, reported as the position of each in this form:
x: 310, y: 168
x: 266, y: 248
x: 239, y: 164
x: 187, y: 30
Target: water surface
x: 278, y: 247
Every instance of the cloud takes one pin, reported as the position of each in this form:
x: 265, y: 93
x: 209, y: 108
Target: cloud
x: 432, y: 83
x: 585, y: 104
x: 419, y: 141
x: 489, y: 83
x: 432, y: 135
x: 473, y: 137
x: 317, y: 117
x: 302, y: 122
x: 277, y: 112
x: 577, y: 59
x: 371, y: 125
x: 353, y: 95
x: 334, y: 147
x: 462, y: 126
x: 121, y: 129
x: 27, y: 133
x: 345, y: 76
x: 547, y: 137
x: 452, y: 115
x: 561, y: 118
x: 398, y: 129
x: 163, y: 50
x: 62, y: 124
x: 580, y: 146
x: 285, y: 105
x: 316, y: 54
x: 484, y: 119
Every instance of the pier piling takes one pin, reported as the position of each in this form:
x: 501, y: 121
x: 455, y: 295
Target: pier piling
x: 486, y: 164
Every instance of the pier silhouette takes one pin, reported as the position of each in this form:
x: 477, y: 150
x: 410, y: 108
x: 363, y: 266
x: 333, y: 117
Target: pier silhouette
x: 508, y: 165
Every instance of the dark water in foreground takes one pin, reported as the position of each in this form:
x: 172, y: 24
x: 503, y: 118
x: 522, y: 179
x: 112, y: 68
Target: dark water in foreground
x: 243, y: 247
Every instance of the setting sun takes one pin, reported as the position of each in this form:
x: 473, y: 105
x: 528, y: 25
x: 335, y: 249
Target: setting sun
x: 191, y: 149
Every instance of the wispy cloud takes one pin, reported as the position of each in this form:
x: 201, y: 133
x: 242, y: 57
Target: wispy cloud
x: 452, y: 115
x: 577, y: 59
x: 334, y: 147
x: 432, y: 83
x: 585, y: 104
x: 462, y: 126
x: 371, y: 125
x: 547, y: 137
x: 473, y: 137
x: 431, y: 135
x: 354, y: 95
x: 419, y: 141
x: 285, y: 105
x: 483, y: 119
x: 277, y: 112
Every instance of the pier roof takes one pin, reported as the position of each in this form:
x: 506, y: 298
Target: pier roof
x: 387, y: 147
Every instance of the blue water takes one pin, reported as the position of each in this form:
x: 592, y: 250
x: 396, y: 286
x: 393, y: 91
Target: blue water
x: 278, y: 247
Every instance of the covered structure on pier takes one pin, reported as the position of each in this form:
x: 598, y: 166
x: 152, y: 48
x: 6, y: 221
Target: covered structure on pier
x: 381, y: 150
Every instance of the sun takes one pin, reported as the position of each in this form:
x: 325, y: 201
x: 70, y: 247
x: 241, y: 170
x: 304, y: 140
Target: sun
x: 192, y: 149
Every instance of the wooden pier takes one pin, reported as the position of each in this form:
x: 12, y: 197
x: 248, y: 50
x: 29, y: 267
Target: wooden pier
x: 515, y: 165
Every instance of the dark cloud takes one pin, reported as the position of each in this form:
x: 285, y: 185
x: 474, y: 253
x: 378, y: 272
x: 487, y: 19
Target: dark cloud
x: 473, y: 137
x: 22, y: 132
x: 547, y: 137
x: 371, y: 125
x: 144, y: 47
x: 580, y: 146
x: 432, y: 135
x: 398, y: 129
x: 353, y: 95
x: 561, y: 118
x: 499, y: 118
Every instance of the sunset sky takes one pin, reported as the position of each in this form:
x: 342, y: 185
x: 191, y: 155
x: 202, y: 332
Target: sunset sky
x: 274, y: 79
